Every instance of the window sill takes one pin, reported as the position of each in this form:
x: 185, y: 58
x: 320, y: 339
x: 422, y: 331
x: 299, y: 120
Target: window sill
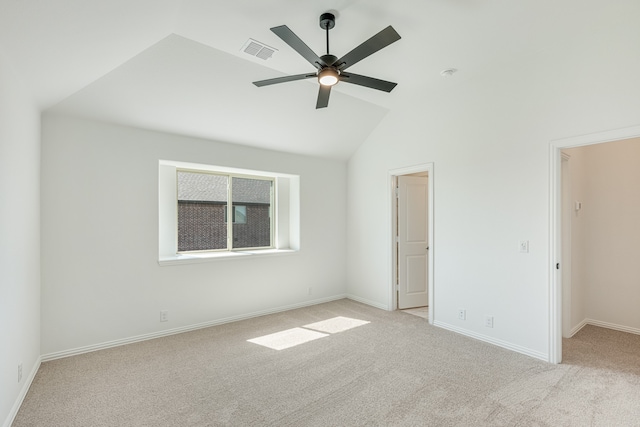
x: 196, y: 258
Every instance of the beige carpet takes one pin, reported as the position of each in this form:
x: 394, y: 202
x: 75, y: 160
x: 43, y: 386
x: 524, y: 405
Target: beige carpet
x: 420, y: 311
x: 394, y: 371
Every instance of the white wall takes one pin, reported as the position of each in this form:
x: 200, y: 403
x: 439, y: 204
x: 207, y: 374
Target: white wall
x: 607, y: 232
x: 488, y: 136
x: 101, y: 278
x: 19, y: 238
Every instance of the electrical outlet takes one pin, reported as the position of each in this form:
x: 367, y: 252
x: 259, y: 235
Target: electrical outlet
x: 462, y: 314
x: 523, y: 246
x: 19, y: 372
x: 488, y: 321
x: 164, y: 315
x: 310, y: 290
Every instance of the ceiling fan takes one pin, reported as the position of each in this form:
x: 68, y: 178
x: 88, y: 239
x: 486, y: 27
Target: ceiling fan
x: 330, y: 69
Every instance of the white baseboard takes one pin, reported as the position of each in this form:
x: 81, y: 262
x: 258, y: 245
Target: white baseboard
x: 577, y: 328
x: 613, y: 326
x: 168, y: 332
x: 368, y: 302
x: 509, y: 346
x: 23, y: 393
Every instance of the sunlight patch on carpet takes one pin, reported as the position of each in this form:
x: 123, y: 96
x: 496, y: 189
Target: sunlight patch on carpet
x: 337, y: 324
x: 288, y: 338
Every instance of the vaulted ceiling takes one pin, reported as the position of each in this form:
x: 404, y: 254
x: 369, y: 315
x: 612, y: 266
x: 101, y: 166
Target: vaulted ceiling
x: 177, y: 65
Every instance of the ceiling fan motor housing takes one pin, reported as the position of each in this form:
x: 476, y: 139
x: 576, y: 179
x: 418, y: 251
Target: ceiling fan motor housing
x: 329, y: 59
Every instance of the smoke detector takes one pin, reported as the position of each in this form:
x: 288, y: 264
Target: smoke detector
x: 448, y: 72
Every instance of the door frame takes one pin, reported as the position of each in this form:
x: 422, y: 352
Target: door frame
x: 391, y: 179
x: 555, y: 225
x: 566, y: 210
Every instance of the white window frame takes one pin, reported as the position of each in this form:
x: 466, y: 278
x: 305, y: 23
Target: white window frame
x: 285, y: 209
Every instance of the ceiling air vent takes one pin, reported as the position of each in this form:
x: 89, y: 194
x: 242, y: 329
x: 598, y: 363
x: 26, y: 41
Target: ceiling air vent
x: 257, y: 49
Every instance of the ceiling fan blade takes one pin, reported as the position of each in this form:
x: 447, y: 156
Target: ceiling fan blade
x: 381, y: 40
x: 370, y: 82
x: 298, y: 45
x: 284, y: 79
x: 323, y: 96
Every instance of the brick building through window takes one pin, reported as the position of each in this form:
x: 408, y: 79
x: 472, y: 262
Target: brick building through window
x: 203, y: 206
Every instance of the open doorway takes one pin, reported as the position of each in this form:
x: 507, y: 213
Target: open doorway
x: 580, y: 216
x: 412, y: 239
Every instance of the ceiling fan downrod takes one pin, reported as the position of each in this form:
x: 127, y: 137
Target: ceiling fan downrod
x: 327, y: 22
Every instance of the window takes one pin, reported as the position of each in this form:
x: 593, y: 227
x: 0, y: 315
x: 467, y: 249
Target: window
x: 204, y: 200
x: 200, y: 194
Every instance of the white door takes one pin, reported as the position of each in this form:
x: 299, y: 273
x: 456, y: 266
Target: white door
x: 412, y: 242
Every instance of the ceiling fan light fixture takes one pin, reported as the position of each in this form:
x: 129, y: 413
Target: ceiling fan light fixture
x: 328, y: 76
